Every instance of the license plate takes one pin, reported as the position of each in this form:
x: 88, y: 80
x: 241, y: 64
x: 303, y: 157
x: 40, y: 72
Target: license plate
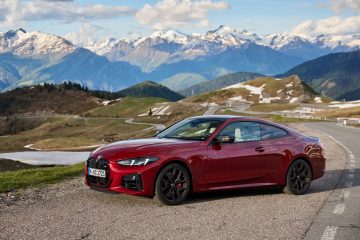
x: 96, y: 172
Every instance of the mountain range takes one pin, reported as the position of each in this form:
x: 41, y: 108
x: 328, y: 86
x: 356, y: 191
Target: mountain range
x: 28, y: 58
x: 336, y: 75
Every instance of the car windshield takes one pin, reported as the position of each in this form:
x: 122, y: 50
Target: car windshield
x: 191, y: 129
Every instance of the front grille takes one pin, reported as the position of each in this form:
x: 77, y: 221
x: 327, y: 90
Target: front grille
x: 132, y: 182
x: 102, y: 164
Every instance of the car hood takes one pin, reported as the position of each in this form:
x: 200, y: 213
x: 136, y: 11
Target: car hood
x: 131, y: 147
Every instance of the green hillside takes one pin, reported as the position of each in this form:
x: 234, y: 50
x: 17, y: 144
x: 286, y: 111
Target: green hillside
x: 182, y: 81
x: 218, y: 83
x: 150, y: 89
x: 335, y: 75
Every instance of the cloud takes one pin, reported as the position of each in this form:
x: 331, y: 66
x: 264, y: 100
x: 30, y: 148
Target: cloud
x: 331, y: 25
x: 88, y: 33
x: 341, y: 5
x: 334, y: 24
x: 166, y: 14
x: 17, y: 12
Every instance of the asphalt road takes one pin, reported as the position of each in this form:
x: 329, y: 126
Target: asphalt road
x: 69, y: 210
x: 339, y: 218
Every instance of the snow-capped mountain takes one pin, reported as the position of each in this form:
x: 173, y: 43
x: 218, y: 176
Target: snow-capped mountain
x: 34, y: 44
x: 172, y: 46
x: 100, y: 47
x: 35, y: 57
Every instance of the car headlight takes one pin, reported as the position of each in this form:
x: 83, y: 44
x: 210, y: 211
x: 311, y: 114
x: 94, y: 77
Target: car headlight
x: 139, y: 161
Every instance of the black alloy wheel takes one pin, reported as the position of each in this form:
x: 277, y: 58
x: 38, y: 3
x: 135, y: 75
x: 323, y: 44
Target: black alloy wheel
x: 298, y: 178
x: 172, y: 184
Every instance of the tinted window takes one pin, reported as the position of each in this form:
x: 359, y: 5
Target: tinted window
x: 242, y: 131
x: 270, y: 132
x: 191, y: 129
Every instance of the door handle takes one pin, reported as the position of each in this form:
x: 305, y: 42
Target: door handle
x: 259, y: 149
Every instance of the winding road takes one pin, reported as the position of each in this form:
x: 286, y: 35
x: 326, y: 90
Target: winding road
x: 330, y: 210
x: 339, y: 218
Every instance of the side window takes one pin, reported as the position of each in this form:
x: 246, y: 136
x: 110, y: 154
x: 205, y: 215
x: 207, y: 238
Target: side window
x: 271, y: 132
x: 242, y: 131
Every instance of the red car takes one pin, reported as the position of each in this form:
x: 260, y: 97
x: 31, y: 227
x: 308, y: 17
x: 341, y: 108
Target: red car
x: 208, y: 153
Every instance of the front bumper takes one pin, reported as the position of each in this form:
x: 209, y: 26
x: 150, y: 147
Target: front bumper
x: 134, y: 180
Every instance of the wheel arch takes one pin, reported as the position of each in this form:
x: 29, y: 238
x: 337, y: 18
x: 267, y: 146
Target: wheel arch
x: 306, y: 159
x: 180, y: 162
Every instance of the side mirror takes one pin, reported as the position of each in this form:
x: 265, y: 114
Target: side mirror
x: 225, y: 139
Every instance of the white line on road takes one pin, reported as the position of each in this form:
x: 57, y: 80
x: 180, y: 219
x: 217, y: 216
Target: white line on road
x: 329, y: 233
x: 351, y: 170
x: 348, y: 184
x: 339, y: 209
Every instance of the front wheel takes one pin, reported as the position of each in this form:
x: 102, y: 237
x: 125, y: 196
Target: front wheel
x: 172, y: 184
x: 298, y: 178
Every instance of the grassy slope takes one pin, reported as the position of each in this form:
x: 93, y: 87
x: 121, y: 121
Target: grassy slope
x: 31, y: 177
x: 345, y: 112
x: 62, y: 133
x: 270, y: 117
x: 218, y: 83
x: 128, y: 107
x: 272, y: 88
x: 41, y: 101
x: 273, y: 107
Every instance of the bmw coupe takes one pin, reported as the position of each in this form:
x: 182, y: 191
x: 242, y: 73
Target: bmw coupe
x: 208, y: 153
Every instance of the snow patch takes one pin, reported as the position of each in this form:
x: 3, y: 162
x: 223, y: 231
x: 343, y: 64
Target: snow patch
x: 318, y: 99
x: 159, y: 111
x: 290, y: 92
x: 239, y: 98
x: 105, y: 103
x: 269, y: 99
x: 252, y: 89
x: 293, y: 100
x: 209, y: 104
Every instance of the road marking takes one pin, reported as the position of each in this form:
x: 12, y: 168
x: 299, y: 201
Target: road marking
x: 339, y: 209
x: 329, y: 233
x: 350, y: 175
x: 351, y: 170
x: 346, y: 194
x: 348, y: 184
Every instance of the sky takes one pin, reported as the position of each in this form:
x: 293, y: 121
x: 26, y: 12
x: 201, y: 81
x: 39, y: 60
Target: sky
x: 81, y: 20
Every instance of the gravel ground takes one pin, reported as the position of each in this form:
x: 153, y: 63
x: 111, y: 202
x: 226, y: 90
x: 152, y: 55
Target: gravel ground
x: 69, y: 210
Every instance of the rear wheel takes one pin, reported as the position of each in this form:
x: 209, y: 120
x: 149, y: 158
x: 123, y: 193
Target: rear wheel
x: 298, y: 178
x: 172, y: 184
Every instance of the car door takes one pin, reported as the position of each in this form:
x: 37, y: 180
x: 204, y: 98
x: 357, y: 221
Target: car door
x: 276, y: 141
x: 240, y: 162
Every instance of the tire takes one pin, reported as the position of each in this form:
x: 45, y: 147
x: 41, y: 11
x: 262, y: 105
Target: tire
x: 172, y: 184
x: 298, y: 178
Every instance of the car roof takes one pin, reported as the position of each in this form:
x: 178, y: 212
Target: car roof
x: 223, y: 117
x: 241, y: 118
